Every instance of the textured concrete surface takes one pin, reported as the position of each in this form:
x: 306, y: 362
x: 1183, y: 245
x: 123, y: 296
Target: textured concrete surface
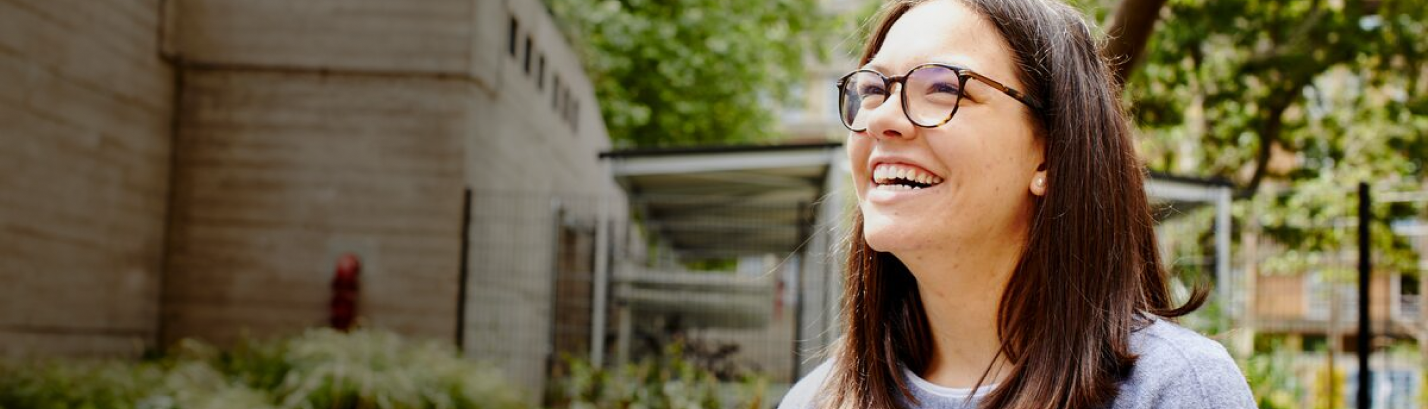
x: 278, y: 174
x: 84, y: 172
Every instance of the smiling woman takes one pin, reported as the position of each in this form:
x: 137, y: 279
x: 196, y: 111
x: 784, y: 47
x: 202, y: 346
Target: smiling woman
x: 1003, y: 254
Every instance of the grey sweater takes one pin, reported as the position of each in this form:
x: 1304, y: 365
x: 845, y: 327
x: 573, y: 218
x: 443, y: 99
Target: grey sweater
x: 1177, y: 368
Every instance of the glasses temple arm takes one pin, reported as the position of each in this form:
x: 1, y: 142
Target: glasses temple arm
x: 1011, y: 92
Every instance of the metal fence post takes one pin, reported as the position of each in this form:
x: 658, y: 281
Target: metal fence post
x: 1364, y: 398
x: 1223, y: 201
x: 602, y: 280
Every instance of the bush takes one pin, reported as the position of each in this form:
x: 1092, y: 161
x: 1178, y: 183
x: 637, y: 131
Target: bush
x: 84, y: 385
x: 669, y: 382
x: 319, y: 369
x: 1271, y: 377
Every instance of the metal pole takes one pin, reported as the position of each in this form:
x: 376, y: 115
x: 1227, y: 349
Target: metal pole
x: 1364, y: 398
x: 1222, y: 252
x: 462, y: 274
x: 806, y: 221
x: 552, y: 356
x: 602, y: 280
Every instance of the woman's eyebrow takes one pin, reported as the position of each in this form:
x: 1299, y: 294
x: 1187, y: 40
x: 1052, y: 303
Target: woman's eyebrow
x: 958, y: 62
x: 954, y: 61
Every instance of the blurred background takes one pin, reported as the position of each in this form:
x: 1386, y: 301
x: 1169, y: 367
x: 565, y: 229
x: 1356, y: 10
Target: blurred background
x: 628, y: 203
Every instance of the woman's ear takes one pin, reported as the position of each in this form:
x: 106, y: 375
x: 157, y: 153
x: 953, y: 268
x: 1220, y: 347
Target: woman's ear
x: 1038, y: 180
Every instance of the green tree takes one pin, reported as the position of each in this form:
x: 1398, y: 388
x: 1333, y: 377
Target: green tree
x: 1332, y: 89
x: 690, y: 72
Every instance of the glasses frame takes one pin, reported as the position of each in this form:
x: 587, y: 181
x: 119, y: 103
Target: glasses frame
x: 962, y: 75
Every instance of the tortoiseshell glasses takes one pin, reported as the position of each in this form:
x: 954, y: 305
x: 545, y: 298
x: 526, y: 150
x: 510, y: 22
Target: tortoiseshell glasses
x: 931, y: 94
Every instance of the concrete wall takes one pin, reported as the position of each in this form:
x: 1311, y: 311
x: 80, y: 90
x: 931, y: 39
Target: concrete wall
x: 402, y: 37
x: 84, y: 172
x: 317, y: 127
x: 279, y: 173
x: 308, y: 130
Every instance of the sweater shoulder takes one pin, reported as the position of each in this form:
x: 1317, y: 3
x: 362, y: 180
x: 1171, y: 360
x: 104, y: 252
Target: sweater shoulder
x: 804, y: 393
x: 1177, y: 367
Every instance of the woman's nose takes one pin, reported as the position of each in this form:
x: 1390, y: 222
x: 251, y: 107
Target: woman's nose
x: 887, y: 121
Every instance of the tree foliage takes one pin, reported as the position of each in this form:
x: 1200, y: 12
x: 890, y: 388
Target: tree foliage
x: 1310, y: 97
x: 690, y: 72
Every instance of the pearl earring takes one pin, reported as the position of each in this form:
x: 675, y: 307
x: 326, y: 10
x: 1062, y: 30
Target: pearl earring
x: 1040, y: 182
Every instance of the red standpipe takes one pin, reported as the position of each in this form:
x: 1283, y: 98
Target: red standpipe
x: 345, y: 283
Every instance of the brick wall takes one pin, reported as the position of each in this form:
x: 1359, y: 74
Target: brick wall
x: 84, y: 173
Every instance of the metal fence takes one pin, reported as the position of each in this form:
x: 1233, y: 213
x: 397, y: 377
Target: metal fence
x: 1302, y: 285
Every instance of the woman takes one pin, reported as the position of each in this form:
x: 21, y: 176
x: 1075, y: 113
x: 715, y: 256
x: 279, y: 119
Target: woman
x: 1003, y: 255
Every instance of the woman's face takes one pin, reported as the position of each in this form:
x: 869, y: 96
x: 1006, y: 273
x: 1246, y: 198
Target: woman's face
x: 984, y: 161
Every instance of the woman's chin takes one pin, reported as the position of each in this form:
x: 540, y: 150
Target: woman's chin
x: 890, y: 238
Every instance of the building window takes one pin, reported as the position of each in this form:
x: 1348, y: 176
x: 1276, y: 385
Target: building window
x: 540, y: 73
x: 511, y: 38
x: 528, y: 54
x: 565, y: 104
x: 555, y: 94
x: 795, y: 112
x: 830, y: 102
x: 561, y: 100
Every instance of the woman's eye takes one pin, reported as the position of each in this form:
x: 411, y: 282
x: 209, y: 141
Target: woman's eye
x: 871, y: 89
x: 944, y: 88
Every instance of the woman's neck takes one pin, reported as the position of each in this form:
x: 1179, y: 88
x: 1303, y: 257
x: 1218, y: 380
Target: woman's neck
x: 960, y: 294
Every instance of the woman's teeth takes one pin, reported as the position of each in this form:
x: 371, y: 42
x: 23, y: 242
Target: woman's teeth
x: 898, y: 187
x: 901, y: 177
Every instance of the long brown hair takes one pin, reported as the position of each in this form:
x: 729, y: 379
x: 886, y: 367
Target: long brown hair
x: 1090, y: 272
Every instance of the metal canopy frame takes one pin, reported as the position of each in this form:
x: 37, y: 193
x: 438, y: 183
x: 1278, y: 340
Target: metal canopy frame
x: 714, y: 203
x: 726, y: 201
x: 1179, y: 193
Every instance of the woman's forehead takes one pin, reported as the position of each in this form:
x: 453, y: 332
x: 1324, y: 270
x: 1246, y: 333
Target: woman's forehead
x: 944, y: 31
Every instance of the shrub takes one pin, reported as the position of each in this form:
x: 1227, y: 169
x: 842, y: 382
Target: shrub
x: 669, y: 382
x: 79, y: 385
x: 318, y: 369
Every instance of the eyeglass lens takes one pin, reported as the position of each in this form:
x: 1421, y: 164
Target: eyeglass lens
x: 930, y: 96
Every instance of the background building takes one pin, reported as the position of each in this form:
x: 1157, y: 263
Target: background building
x: 194, y: 168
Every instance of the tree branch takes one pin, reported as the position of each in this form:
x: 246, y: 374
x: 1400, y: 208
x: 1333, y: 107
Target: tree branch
x: 1129, y: 31
x: 1268, y: 135
x: 1261, y: 165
